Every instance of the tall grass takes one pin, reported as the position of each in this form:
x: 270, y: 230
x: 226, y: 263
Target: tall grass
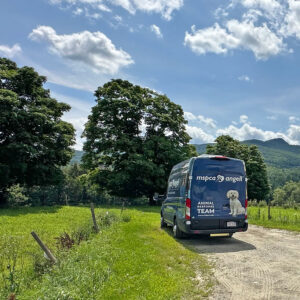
x: 131, y: 257
x: 282, y: 218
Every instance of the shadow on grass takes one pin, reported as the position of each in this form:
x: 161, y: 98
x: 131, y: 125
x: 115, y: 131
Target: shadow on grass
x: 18, y: 211
x: 205, y: 244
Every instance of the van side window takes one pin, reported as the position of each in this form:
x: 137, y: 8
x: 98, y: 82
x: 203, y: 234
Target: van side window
x: 177, y: 184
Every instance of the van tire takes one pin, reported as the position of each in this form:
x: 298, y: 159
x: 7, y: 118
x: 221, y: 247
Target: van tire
x: 163, y: 224
x: 178, y: 234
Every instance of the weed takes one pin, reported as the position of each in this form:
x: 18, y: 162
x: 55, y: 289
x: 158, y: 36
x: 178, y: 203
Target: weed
x: 12, y: 296
x: 81, y: 233
x: 126, y: 218
x: 64, y: 241
x: 11, y: 264
x: 40, y: 265
x: 107, y: 218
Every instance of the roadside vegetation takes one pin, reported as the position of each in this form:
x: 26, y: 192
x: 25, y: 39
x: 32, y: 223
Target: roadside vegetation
x: 281, y: 218
x: 131, y: 257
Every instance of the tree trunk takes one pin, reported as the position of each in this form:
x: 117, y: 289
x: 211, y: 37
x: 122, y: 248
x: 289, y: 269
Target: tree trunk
x: 3, y: 197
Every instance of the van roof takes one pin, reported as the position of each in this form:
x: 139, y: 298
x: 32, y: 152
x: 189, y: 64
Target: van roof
x: 216, y: 157
x: 203, y: 156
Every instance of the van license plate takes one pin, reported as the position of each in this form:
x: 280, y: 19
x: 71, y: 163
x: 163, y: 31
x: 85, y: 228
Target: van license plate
x: 231, y: 224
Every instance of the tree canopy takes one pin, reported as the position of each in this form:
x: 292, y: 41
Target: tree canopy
x: 34, y: 141
x: 258, y: 184
x: 134, y: 136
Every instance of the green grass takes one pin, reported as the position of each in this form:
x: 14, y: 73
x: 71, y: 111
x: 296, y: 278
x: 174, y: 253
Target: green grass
x: 288, y: 219
x: 127, y: 260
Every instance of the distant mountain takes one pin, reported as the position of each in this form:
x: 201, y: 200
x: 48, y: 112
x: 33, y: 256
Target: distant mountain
x: 276, y: 152
x: 77, y: 157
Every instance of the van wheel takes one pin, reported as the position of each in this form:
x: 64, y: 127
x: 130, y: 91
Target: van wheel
x: 178, y: 234
x: 163, y: 224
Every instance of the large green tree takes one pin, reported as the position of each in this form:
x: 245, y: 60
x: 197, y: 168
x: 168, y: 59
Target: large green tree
x: 258, y: 184
x: 133, y: 138
x: 34, y: 141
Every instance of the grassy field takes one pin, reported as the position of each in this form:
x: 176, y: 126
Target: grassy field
x: 130, y: 259
x: 281, y: 218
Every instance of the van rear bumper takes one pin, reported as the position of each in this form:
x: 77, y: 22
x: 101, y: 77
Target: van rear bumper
x: 188, y: 230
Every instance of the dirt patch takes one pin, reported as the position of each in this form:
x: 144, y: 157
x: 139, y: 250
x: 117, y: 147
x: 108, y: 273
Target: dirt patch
x: 258, y: 264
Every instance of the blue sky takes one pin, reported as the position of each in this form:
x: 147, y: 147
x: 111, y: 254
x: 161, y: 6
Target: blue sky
x: 232, y: 65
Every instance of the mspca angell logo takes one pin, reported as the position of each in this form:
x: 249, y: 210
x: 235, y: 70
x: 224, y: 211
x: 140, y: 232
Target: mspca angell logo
x: 220, y: 178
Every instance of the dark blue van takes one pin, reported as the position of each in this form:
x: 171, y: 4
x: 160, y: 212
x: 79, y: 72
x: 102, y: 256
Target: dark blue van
x: 206, y: 195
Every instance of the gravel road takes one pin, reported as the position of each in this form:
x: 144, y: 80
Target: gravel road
x: 258, y: 264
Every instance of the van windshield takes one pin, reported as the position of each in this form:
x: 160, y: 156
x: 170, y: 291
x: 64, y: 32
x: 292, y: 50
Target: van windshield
x: 213, y: 183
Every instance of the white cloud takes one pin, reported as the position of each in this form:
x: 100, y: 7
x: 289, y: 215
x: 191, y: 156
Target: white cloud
x: 10, y: 52
x: 259, y: 39
x: 212, y: 39
x: 244, y: 78
x: 246, y: 132
x: 78, y: 11
x: 237, y: 35
x: 78, y: 124
x: 103, y: 7
x: 292, y: 20
x: 259, y: 26
x: 220, y: 13
x: 270, y: 7
x: 163, y: 7
x: 91, y: 49
x: 272, y: 117
x: 199, y: 135
x: 154, y: 28
x: 293, y: 119
x: 207, y: 121
x: 242, y: 132
x: 118, y: 18
x: 294, y: 134
x: 243, y: 119
x: 189, y: 116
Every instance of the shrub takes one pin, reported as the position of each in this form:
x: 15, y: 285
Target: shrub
x: 262, y: 203
x: 106, y: 219
x: 16, y: 195
x: 126, y: 218
x: 252, y: 202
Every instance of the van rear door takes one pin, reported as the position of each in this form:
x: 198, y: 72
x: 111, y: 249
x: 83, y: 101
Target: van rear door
x: 214, y: 180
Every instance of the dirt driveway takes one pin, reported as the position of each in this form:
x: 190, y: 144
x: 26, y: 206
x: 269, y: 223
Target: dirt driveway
x: 257, y: 264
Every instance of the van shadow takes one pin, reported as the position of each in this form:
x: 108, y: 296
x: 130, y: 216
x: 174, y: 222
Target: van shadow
x: 204, y: 244
x: 18, y: 211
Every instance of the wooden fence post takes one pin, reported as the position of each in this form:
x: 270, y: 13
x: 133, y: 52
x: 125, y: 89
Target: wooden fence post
x: 44, y: 247
x: 96, y: 228
x: 269, y: 210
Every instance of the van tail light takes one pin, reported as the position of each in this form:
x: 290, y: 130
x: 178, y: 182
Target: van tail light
x: 246, y: 205
x: 188, y: 209
x: 220, y: 157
